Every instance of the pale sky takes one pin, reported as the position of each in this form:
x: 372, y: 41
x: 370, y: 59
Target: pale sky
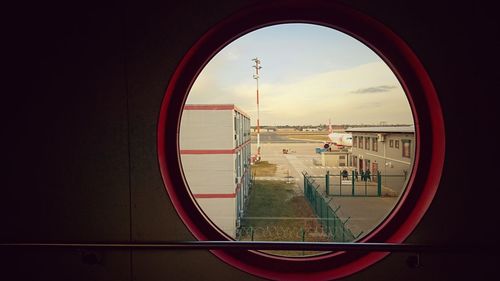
x: 309, y: 74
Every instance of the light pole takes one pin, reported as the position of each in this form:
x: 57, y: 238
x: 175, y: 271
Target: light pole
x: 256, y: 77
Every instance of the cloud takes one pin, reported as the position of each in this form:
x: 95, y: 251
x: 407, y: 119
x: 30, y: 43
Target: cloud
x: 232, y: 55
x: 377, y: 89
x: 342, y: 95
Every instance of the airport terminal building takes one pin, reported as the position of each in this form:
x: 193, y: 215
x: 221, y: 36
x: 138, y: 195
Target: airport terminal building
x: 215, y: 154
x: 388, y: 150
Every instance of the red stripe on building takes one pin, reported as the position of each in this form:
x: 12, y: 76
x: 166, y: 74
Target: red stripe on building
x: 215, y: 195
x: 242, y: 145
x: 214, y: 151
x: 215, y: 107
x: 207, y: 151
x: 209, y: 107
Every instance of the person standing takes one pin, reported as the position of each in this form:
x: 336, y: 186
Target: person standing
x: 345, y: 174
x: 367, y: 175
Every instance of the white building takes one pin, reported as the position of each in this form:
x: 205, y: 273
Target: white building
x: 311, y: 129
x: 388, y: 150
x: 215, y: 154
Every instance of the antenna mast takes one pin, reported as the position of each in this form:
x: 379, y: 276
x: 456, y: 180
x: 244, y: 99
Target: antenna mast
x: 256, y: 77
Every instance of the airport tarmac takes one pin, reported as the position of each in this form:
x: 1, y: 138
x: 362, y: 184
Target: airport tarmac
x: 364, y: 213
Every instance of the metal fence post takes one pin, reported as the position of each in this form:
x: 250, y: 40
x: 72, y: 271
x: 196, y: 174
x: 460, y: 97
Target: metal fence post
x: 305, y: 185
x: 340, y: 178
x: 321, y: 210
x: 353, y: 186
x: 316, y: 198
x: 366, y: 184
x: 379, y: 184
x: 327, y: 219
x: 340, y: 190
x: 313, y: 195
x: 366, y: 189
x: 352, y: 180
x: 327, y: 182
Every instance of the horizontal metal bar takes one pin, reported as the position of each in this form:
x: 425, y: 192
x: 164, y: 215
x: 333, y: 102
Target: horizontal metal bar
x: 271, y: 245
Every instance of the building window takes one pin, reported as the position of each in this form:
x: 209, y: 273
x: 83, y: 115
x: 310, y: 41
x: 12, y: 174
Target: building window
x: 396, y: 143
x: 367, y: 143
x: 391, y: 143
x: 374, y: 144
x: 406, y: 148
x: 355, y: 141
x: 411, y: 207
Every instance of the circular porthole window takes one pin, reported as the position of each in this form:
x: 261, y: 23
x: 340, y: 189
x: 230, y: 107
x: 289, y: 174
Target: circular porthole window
x: 302, y: 121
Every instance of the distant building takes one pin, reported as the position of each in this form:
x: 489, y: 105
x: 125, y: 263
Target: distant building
x: 215, y: 154
x: 390, y: 150
x: 336, y: 158
x: 286, y: 129
x: 311, y: 129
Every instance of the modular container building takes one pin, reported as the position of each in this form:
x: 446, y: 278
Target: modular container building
x: 215, y: 155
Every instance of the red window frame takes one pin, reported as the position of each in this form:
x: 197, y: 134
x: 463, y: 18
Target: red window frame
x: 406, y: 150
x: 423, y: 179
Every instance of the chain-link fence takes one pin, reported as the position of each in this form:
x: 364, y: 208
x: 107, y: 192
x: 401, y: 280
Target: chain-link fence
x: 275, y: 232
x: 352, y: 184
x: 334, y: 227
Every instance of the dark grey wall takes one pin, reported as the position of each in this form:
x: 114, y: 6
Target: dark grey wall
x: 81, y: 92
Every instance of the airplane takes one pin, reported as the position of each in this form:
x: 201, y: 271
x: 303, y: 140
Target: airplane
x: 339, y: 140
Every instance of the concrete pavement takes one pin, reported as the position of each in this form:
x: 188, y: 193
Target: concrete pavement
x: 364, y: 213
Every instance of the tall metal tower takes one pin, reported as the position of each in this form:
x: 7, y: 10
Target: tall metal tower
x: 256, y: 77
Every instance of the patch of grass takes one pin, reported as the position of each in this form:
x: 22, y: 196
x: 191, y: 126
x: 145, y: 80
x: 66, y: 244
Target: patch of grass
x: 264, y: 169
x: 276, y: 213
x: 272, y: 199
